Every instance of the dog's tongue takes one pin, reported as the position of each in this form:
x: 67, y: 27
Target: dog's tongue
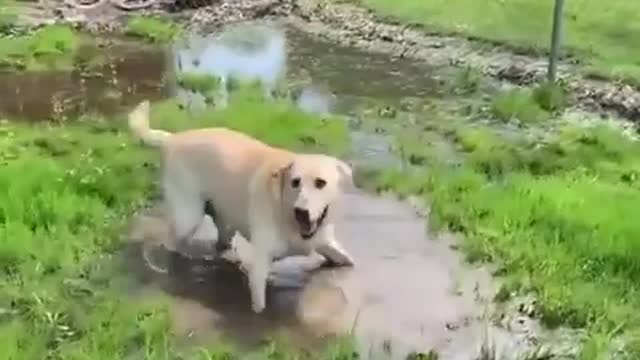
x: 306, y: 228
x: 305, y: 225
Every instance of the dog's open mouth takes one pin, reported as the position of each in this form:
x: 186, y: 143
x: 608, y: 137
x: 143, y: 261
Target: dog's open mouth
x: 307, y: 227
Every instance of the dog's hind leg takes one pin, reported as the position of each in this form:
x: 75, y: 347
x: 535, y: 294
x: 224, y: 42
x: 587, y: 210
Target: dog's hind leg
x: 186, y: 214
x: 225, y: 233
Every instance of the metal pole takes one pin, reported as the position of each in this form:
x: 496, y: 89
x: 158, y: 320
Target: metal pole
x: 556, y: 37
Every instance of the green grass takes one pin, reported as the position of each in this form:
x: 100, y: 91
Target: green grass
x: 51, y: 47
x: 152, y: 29
x: 604, y: 34
x: 550, y: 97
x: 9, y: 12
x: 556, y: 213
x: 520, y: 105
x: 198, y: 82
x: 202, y: 83
x: 65, y: 195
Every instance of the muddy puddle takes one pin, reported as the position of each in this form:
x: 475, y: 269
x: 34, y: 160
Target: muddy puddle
x: 125, y: 74
x: 409, y: 292
x: 326, y: 77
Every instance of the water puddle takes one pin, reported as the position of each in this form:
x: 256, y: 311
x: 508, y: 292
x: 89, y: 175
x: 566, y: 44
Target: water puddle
x: 125, y: 76
x: 407, y: 293
x: 329, y: 77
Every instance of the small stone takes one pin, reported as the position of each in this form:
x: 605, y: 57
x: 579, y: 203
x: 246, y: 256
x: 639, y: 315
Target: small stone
x: 452, y: 326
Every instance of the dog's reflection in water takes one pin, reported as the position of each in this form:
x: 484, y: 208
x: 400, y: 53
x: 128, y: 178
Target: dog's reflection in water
x: 212, y: 295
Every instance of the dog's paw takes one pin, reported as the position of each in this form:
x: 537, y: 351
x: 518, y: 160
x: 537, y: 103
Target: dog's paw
x: 346, y: 262
x: 350, y: 262
x: 257, y: 307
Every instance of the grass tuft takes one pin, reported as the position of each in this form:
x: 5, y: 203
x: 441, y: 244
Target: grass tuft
x: 466, y: 82
x: 198, y: 82
x: 518, y: 105
x: 152, y: 29
x: 50, y: 47
x: 550, y: 97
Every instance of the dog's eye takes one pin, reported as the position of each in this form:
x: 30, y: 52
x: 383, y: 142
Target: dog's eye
x: 295, y: 183
x: 320, y: 183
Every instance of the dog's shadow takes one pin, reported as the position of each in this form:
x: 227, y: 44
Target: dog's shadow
x: 221, y: 288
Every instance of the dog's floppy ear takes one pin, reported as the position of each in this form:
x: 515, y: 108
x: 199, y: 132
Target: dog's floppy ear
x: 346, y: 173
x: 280, y: 171
x: 277, y: 178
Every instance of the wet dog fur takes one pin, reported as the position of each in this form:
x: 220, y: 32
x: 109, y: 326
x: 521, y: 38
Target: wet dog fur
x: 281, y: 201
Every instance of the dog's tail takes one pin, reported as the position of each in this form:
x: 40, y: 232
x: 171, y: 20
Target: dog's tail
x: 139, y: 125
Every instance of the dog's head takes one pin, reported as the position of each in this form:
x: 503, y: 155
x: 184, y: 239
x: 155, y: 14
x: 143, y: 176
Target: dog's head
x: 310, y: 185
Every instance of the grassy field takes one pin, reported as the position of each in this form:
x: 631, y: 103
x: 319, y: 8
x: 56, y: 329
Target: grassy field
x: 554, y: 210
x: 604, y: 34
x: 66, y: 192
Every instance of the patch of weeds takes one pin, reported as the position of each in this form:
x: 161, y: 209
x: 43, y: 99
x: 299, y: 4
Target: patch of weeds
x: 550, y: 97
x: 152, y: 29
x: 518, y: 105
x: 342, y: 348
x: 205, y: 84
x: 49, y: 47
x: 414, y: 149
x: 466, y: 82
x: 510, y: 286
x: 8, y: 17
x: 89, y: 57
x: 65, y: 195
x: 486, y: 151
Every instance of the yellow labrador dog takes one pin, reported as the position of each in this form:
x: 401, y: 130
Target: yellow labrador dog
x: 281, y: 201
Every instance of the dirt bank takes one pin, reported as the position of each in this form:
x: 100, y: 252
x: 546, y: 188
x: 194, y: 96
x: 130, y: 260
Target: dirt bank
x: 361, y: 28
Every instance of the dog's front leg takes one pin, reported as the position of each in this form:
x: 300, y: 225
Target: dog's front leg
x: 331, y: 249
x: 264, y: 249
x: 258, y: 273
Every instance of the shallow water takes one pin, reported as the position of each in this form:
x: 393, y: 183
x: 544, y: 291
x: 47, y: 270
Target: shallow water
x: 407, y: 292
x: 328, y: 77
x: 126, y: 75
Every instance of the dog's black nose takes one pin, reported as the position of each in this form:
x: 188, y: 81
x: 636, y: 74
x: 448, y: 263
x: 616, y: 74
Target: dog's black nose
x: 302, y: 215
